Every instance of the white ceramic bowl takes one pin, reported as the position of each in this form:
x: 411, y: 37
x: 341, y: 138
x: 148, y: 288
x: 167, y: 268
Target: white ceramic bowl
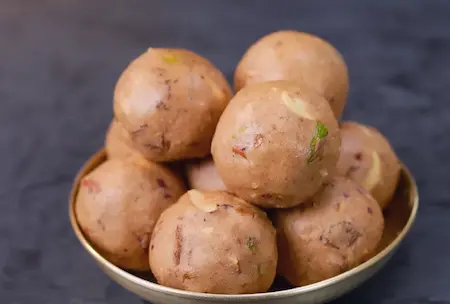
x: 399, y: 218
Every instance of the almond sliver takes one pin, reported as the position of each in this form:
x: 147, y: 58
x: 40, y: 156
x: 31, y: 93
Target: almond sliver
x: 296, y: 106
x: 374, y: 174
x: 199, y: 201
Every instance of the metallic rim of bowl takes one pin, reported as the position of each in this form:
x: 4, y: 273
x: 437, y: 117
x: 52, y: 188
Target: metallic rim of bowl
x: 101, y: 155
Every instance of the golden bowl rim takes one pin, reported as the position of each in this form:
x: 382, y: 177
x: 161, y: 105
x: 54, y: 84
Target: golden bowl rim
x: 295, y: 291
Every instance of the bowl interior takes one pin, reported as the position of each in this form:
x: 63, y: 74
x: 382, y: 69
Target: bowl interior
x: 399, y: 216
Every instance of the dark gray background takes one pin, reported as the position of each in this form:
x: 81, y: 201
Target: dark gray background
x: 59, y: 61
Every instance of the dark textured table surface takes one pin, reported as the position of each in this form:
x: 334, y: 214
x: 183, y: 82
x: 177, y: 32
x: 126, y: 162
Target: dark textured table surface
x: 59, y: 61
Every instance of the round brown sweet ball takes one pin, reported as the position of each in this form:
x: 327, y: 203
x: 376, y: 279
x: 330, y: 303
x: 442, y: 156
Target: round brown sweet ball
x: 338, y: 230
x: 214, y: 242
x: 368, y: 158
x: 299, y: 57
x: 276, y: 143
x: 170, y: 100
x: 202, y: 175
x: 118, y: 204
x: 118, y: 143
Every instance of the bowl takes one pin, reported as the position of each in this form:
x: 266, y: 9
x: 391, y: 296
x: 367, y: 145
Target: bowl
x: 399, y: 217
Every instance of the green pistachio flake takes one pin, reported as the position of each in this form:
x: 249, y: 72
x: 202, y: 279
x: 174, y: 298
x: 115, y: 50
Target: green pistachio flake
x: 320, y: 132
x: 170, y: 58
x: 260, y: 269
x: 242, y: 129
x: 251, y: 243
x: 233, y: 136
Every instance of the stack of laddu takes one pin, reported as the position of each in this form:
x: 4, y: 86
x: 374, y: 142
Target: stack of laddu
x: 274, y: 147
